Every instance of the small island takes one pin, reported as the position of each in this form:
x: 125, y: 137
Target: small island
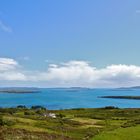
x: 122, y: 97
x: 19, y: 90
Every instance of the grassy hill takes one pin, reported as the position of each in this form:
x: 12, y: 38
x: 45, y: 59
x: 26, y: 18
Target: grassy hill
x: 130, y: 133
x: 36, y: 123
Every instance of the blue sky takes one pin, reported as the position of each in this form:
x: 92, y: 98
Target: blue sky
x: 35, y: 33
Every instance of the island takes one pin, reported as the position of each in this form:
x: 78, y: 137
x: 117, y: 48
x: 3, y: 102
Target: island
x: 122, y: 97
x: 19, y: 90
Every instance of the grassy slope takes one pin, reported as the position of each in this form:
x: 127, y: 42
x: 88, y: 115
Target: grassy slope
x: 131, y: 133
x: 74, y: 124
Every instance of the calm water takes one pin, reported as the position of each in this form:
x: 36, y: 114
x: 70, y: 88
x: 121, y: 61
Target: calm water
x: 67, y: 98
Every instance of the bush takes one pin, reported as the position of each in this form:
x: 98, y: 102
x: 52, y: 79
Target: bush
x: 1, y: 121
x: 40, y: 112
x: 60, y: 115
x: 38, y: 108
x: 21, y: 106
x: 111, y: 107
x: 8, y: 110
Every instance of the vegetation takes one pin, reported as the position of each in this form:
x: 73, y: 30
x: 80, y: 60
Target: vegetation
x: 37, y: 123
x: 131, y: 133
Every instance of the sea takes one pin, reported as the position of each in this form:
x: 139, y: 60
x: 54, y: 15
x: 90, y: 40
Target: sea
x: 69, y: 98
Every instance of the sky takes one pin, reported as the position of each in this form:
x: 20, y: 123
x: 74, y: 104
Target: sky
x: 51, y: 43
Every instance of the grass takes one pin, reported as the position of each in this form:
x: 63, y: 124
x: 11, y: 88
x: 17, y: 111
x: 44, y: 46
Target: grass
x: 86, y: 122
x: 131, y: 133
x: 74, y: 124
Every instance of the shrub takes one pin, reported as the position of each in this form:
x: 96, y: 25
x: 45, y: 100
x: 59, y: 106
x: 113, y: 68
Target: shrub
x: 60, y: 115
x: 1, y: 121
x: 21, y: 106
x: 40, y: 112
x: 111, y: 107
x: 38, y: 108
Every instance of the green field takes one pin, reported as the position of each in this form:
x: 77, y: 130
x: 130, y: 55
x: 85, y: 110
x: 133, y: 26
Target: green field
x: 130, y: 133
x: 107, y: 123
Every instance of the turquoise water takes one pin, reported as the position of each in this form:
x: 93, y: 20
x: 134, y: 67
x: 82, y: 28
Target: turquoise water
x: 68, y: 98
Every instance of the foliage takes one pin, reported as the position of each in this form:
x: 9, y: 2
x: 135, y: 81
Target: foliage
x: 1, y: 121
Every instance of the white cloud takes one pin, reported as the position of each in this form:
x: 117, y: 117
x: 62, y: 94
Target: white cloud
x: 7, y: 64
x: 9, y: 70
x: 4, y: 27
x: 81, y: 73
x: 12, y: 76
x: 72, y: 73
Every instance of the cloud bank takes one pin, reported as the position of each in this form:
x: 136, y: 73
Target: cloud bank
x: 72, y: 73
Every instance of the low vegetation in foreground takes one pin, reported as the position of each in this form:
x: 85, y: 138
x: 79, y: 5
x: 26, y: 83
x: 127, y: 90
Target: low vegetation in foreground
x: 38, y: 123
